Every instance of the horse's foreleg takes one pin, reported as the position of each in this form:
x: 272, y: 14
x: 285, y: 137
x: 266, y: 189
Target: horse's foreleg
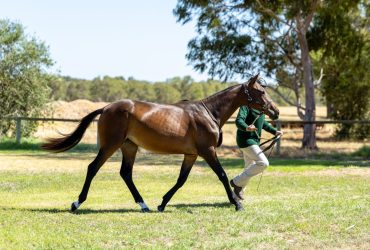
x: 211, y: 158
x: 186, y: 166
x: 129, y: 150
x: 92, y: 170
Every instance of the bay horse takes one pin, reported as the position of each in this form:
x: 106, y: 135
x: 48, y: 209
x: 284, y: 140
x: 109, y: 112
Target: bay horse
x: 191, y: 128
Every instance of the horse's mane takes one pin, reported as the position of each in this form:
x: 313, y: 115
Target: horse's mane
x: 221, y: 92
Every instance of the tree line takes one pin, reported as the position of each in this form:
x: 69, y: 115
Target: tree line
x: 110, y: 89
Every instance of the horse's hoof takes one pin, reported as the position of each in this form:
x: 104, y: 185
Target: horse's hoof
x: 239, y: 207
x: 145, y: 210
x: 73, y: 207
x: 160, y: 209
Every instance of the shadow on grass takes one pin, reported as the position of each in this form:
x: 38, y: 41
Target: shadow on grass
x: 86, y: 211
x: 200, y: 205
x: 80, y: 211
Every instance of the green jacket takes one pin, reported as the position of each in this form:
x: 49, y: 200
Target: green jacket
x: 245, y: 117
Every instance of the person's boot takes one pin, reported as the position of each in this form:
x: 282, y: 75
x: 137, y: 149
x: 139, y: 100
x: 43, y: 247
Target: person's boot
x: 238, y: 191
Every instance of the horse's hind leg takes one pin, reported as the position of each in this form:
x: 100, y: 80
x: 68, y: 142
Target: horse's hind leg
x: 92, y: 170
x: 129, y: 150
x: 186, y: 166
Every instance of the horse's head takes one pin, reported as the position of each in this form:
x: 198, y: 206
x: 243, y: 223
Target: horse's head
x: 258, y: 98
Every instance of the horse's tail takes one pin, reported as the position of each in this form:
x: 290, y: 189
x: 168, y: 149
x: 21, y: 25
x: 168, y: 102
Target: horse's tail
x: 68, y: 141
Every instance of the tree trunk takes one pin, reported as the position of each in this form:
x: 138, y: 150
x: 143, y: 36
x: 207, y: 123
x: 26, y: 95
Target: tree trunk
x: 309, y: 130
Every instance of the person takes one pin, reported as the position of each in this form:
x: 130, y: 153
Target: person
x: 250, y: 123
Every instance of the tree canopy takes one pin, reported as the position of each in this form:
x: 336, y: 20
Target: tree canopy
x: 237, y: 37
x: 23, y: 77
x: 345, y: 61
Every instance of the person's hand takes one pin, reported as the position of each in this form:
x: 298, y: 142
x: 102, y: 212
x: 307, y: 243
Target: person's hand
x: 279, y: 133
x: 251, y: 128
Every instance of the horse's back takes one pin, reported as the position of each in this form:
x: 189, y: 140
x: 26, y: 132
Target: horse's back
x: 157, y: 127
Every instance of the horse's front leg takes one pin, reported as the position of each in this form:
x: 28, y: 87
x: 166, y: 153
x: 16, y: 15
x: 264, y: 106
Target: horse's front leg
x: 211, y: 158
x: 186, y: 166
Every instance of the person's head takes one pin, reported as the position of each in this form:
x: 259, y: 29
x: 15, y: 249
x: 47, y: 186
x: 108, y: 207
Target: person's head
x: 257, y: 98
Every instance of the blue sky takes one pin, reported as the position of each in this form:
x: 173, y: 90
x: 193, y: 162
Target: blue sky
x: 117, y: 38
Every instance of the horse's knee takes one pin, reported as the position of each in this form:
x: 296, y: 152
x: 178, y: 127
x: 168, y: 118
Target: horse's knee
x: 125, y: 174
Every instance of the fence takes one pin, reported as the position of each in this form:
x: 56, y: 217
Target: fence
x: 278, y: 124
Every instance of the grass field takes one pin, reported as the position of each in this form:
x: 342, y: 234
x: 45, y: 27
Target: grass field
x: 300, y: 204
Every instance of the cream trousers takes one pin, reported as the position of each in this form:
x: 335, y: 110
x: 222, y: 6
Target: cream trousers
x: 255, y: 162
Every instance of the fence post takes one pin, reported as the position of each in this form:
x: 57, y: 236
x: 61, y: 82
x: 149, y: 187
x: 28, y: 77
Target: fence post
x: 18, y: 128
x: 278, y: 143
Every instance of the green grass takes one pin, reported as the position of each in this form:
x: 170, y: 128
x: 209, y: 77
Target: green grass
x: 299, y: 204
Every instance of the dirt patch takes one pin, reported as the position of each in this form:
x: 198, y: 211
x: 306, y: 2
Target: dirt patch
x: 69, y: 110
x: 75, y: 109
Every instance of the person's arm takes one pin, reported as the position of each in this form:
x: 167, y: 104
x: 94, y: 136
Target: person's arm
x: 269, y: 128
x: 240, y: 119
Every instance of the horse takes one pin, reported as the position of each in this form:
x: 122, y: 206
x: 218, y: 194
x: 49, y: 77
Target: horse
x: 191, y: 128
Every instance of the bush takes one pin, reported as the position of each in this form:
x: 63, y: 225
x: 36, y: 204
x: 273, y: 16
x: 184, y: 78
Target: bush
x: 363, y: 152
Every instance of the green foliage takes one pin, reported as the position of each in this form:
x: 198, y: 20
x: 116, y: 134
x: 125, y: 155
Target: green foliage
x: 111, y: 89
x: 363, y: 152
x: 23, y: 78
x: 278, y: 38
x: 237, y: 37
x: 345, y: 61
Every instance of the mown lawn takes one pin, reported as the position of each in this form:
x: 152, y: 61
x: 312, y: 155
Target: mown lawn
x: 300, y: 204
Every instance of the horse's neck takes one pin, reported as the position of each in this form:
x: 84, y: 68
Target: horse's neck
x: 224, y: 103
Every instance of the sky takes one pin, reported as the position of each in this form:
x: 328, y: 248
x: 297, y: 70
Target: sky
x: 94, y: 38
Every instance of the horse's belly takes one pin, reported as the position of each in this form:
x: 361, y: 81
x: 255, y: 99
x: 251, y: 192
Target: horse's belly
x: 169, y: 145
x: 160, y: 140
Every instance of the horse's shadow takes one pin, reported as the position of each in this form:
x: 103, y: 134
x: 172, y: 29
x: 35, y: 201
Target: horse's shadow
x: 80, y: 211
x: 85, y: 211
x: 200, y: 205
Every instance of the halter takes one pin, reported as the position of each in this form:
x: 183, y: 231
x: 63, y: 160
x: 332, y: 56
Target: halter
x: 250, y: 99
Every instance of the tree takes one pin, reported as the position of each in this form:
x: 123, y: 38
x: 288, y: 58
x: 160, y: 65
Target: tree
x: 166, y: 93
x: 23, y: 77
x: 107, y: 89
x: 345, y: 61
x: 237, y: 36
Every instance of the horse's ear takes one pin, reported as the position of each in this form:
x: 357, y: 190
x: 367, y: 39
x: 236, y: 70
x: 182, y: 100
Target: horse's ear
x: 253, y: 79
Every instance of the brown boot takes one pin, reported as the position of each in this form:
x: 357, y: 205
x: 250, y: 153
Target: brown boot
x: 237, y: 190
